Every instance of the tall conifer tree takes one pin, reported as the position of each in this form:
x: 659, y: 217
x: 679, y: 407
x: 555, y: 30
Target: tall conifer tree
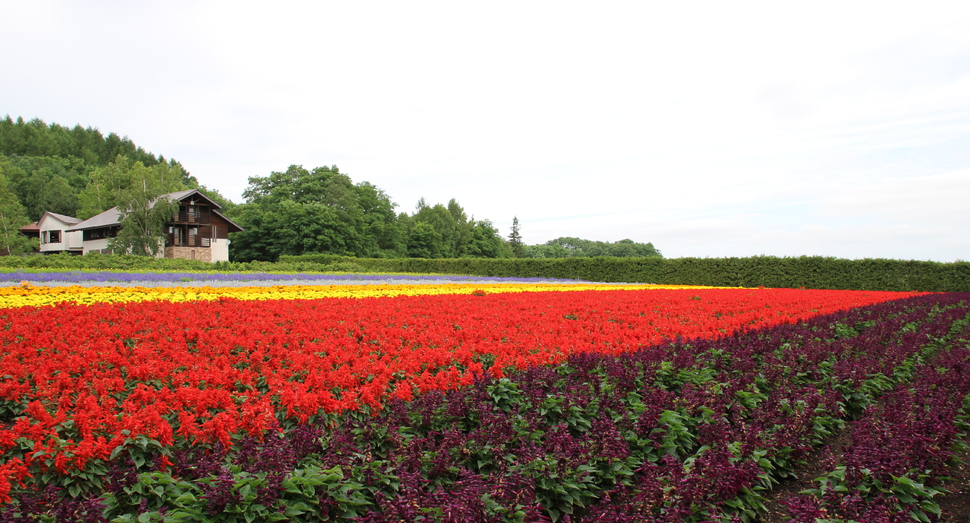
x: 515, y: 239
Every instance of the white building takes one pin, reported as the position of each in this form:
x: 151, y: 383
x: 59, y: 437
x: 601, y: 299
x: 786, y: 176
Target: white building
x: 54, y: 234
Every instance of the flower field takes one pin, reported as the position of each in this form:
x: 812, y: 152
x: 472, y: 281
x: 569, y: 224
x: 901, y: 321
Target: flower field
x: 472, y: 401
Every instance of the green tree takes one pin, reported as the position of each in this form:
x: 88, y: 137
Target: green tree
x: 32, y: 178
x: 40, y: 141
x: 12, y: 218
x: 628, y: 248
x: 486, y: 242
x: 424, y: 241
x: 105, y: 187
x: 226, y: 204
x: 546, y: 251
x: 445, y: 226
x: 463, y: 228
x: 144, y: 210
x: 570, y: 247
x: 380, y: 228
x: 12, y: 140
x: 58, y: 196
x: 44, y: 152
x: 301, y: 211
x: 247, y: 246
x: 13, y: 174
x: 457, y: 235
x: 515, y: 239
x: 85, y: 144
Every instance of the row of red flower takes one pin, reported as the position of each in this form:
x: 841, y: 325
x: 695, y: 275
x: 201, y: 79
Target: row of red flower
x: 80, y: 381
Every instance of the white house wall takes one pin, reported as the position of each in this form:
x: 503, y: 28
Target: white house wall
x: 75, y: 240
x: 95, y: 245
x: 220, y: 249
x: 51, y: 246
x: 69, y: 240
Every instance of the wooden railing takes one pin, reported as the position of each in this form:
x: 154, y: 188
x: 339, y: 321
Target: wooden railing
x: 203, y: 217
x: 192, y: 241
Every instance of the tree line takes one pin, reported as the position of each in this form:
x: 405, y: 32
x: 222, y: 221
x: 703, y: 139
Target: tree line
x: 321, y: 210
x: 80, y: 172
x: 568, y: 247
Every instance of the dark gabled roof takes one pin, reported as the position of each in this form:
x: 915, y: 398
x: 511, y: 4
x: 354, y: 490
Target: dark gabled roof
x: 234, y: 224
x: 182, y: 195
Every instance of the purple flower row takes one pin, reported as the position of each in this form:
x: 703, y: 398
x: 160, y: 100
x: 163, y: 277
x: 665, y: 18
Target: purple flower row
x: 109, y: 277
x: 900, y: 448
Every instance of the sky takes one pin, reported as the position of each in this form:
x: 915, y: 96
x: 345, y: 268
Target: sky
x: 710, y: 129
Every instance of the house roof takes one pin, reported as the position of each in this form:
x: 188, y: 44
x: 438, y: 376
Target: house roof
x: 181, y: 195
x: 223, y: 216
x: 69, y: 220
x: 112, y: 216
x: 31, y: 227
x: 106, y: 219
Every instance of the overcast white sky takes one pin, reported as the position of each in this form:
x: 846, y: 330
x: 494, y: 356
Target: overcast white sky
x: 708, y: 128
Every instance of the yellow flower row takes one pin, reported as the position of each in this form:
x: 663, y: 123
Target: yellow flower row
x: 30, y: 295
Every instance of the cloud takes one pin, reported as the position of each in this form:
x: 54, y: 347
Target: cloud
x: 708, y: 129
x: 940, y: 199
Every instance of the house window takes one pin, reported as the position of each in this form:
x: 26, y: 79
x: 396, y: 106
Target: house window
x: 99, y: 234
x: 54, y: 236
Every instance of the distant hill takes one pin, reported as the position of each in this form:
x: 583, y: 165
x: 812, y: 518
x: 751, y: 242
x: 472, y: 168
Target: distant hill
x: 48, y: 166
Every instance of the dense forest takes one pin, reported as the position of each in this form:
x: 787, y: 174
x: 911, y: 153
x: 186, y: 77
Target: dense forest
x: 80, y: 172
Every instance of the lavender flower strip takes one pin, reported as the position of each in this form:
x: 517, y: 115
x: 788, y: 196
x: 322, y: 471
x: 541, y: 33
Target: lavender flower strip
x: 222, y: 279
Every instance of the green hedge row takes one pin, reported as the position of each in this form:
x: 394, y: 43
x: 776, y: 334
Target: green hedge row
x: 813, y: 272
x: 61, y: 262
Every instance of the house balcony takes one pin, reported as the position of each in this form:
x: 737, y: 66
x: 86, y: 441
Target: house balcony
x: 197, y: 217
x: 175, y: 240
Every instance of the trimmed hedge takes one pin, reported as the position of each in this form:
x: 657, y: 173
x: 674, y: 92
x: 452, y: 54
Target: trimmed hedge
x: 815, y: 272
